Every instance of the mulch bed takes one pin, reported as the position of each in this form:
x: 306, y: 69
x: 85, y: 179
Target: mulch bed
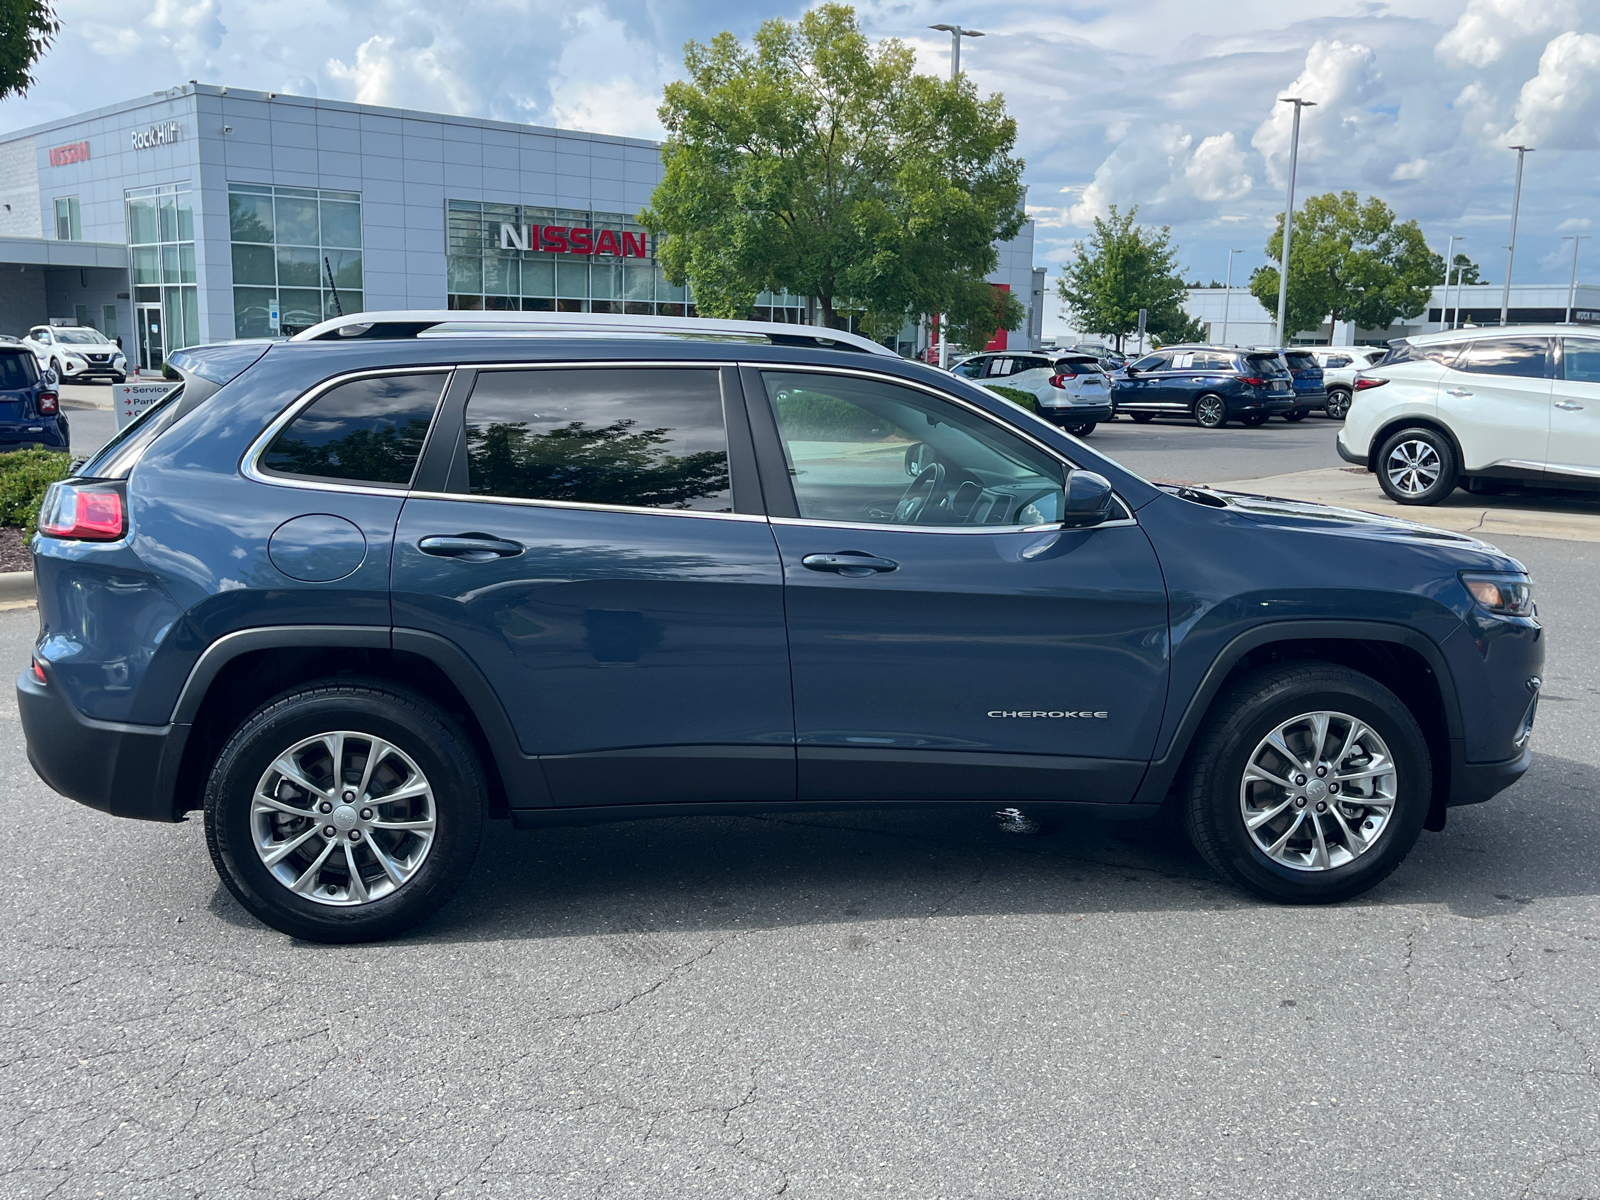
x: 14, y: 552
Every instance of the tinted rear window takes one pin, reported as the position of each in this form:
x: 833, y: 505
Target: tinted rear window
x: 1266, y: 364
x: 641, y: 438
x: 17, y: 370
x: 365, y: 431
x: 1301, y: 362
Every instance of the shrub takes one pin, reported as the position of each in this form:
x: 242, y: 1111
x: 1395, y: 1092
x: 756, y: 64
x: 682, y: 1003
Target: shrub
x: 820, y: 417
x: 1016, y: 396
x: 25, y: 476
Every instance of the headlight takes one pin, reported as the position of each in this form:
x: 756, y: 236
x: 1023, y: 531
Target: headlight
x: 1507, y: 595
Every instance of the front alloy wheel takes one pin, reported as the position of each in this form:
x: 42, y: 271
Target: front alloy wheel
x: 1338, y: 404
x: 1417, y: 466
x: 1210, y: 412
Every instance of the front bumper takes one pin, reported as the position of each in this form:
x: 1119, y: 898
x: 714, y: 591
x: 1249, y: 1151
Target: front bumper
x: 1350, y: 456
x: 124, y: 770
x: 1473, y: 783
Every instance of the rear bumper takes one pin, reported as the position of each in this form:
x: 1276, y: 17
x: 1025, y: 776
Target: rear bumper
x: 1078, y: 414
x: 1311, y: 401
x: 124, y: 770
x: 1272, y: 405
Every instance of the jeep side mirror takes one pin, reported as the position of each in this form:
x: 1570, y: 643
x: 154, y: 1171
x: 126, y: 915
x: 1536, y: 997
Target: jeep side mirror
x: 1088, y: 500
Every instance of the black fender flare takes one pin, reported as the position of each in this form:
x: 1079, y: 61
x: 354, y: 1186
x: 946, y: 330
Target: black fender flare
x: 1162, y: 771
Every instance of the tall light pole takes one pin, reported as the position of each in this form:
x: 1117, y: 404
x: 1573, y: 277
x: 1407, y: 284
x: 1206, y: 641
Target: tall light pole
x: 1572, y: 286
x: 1455, y: 313
x: 1511, y: 250
x: 956, y: 33
x: 1444, y: 302
x: 1227, y: 295
x: 1288, y: 215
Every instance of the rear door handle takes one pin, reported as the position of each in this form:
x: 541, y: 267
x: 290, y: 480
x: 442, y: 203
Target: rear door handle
x: 1569, y: 407
x: 1457, y: 392
x: 474, y: 547
x: 855, y: 563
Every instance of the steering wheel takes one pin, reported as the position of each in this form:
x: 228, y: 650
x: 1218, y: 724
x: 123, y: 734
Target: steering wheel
x: 919, y: 494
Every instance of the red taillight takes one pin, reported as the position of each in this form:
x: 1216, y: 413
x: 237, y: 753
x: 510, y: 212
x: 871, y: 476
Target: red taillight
x: 38, y: 672
x: 1252, y: 380
x: 1363, y: 384
x: 49, y: 404
x: 91, y: 514
x: 1059, y: 381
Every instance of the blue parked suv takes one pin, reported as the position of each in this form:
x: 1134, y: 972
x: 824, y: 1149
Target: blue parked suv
x: 30, y: 405
x: 1211, y: 385
x: 355, y: 594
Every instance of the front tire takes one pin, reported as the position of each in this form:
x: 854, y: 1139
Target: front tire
x: 1310, y: 784
x: 1338, y: 404
x: 1210, y: 411
x: 1417, y: 466
x: 1083, y: 430
x: 1299, y: 415
x: 1142, y: 418
x: 345, y: 812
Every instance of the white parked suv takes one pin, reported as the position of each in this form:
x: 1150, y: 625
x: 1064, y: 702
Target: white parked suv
x: 1340, y: 366
x: 1069, y: 389
x: 77, y: 352
x: 1479, y: 408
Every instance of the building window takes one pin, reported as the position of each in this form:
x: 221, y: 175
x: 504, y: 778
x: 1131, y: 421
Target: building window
x: 69, y: 222
x: 296, y: 251
x: 166, y: 308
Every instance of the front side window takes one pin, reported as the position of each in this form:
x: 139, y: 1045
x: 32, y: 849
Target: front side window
x: 971, y: 369
x: 1151, y: 362
x: 633, y: 437
x: 364, y: 431
x: 864, y: 450
x: 1580, y: 359
x: 1527, y: 357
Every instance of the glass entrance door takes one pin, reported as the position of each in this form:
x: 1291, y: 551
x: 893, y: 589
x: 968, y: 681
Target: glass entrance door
x: 151, y: 357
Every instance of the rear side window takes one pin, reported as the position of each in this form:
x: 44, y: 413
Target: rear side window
x: 1580, y: 358
x: 17, y: 371
x: 635, y: 437
x: 1527, y: 357
x: 1443, y: 353
x: 364, y: 431
x: 971, y: 369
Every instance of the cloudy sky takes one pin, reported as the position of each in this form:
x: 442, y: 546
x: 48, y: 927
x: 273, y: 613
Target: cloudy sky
x: 1169, y: 104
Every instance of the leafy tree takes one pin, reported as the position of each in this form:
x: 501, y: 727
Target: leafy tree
x: 1352, y: 261
x: 1468, y: 268
x: 975, y: 319
x: 27, y: 27
x: 1122, y: 268
x: 816, y: 161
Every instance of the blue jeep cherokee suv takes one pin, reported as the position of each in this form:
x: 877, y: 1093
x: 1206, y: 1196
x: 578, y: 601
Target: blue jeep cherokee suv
x: 356, y: 593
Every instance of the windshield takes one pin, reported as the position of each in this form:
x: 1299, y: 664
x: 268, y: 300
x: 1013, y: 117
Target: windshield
x: 83, y: 337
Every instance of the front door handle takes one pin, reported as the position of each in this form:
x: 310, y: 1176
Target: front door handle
x: 1569, y: 407
x: 1457, y: 392
x: 473, y: 547
x: 855, y: 563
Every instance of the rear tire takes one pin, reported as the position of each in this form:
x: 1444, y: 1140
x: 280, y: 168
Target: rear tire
x: 1417, y: 466
x: 1320, y: 846
x: 1083, y: 430
x: 1292, y: 417
x: 1338, y: 404
x: 319, y: 852
x: 1254, y: 420
x: 1210, y: 411
x: 1142, y: 418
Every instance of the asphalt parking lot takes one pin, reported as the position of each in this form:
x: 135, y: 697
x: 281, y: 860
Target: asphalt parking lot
x: 829, y: 1005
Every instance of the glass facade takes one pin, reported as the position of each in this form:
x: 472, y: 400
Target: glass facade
x: 161, y: 269
x: 294, y: 249
x: 484, y: 275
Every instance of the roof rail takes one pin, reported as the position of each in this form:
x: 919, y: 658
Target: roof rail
x: 461, y: 323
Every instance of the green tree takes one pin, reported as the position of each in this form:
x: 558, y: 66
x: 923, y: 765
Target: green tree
x: 816, y: 161
x: 1350, y: 260
x: 1121, y: 268
x: 1468, y: 268
x: 27, y: 27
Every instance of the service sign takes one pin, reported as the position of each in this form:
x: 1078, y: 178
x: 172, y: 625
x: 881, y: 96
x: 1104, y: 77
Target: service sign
x: 131, y: 399
x: 563, y: 239
x: 73, y: 152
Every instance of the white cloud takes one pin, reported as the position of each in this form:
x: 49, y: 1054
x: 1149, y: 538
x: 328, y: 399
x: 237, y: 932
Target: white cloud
x: 1339, y: 78
x: 406, y: 76
x: 1217, y: 170
x: 1414, y: 168
x: 1574, y: 225
x: 1559, y: 108
x: 607, y: 81
x: 1484, y: 31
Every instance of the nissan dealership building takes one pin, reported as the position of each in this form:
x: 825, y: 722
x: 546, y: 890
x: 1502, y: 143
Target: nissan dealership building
x: 202, y: 213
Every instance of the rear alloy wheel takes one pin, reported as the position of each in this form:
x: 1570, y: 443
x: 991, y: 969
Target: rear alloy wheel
x: 1142, y: 418
x: 1310, y: 785
x: 1082, y: 431
x: 1338, y: 404
x: 1417, y: 466
x: 344, y: 813
x: 1210, y: 412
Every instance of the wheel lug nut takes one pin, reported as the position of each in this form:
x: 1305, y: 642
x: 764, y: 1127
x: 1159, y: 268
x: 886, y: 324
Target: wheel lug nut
x: 1321, y: 771
x: 1300, y: 780
x: 1333, y: 789
x: 1299, y: 801
x: 355, y: 835
x: 1322, y: 806
x: 329, y: 831
x: 366, y: 814
x: 349, y: 794
x: 325, y: 807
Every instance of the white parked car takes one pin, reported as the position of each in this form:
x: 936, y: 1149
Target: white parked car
x: 77, y: 352
x: 1068, y: 389
x: 1479, y: 408
x: 1340, y: 365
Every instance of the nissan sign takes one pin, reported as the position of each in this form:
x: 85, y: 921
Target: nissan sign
x: 564, y: 239
x: 61, y: 156
x: 156, y: 135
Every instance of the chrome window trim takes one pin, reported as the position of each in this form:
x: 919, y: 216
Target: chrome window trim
x: 250, y: 464
x: 867, y: 526
x: 1128, y: 519
x: 584, y: 506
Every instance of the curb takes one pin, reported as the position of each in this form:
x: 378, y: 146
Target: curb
x: 16, y: 585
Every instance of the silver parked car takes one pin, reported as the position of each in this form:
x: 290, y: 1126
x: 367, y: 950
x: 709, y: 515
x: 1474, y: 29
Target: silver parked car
x: 1070, y: 390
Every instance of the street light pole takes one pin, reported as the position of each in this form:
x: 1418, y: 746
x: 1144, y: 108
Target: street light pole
x: 1572, y: 286
x: 1511, y: 250
x: 956, y: 33
x: 1455, y: 313
x: 1444, y: 303
x: 1227, y: 295
x: 1288, y: 215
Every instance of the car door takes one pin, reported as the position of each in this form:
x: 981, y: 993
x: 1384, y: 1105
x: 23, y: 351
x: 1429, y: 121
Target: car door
x: 1495, y: 397
x: 1031, y: 373
x: 592, y: 538
x: 1140, y: 385
x: 1575, y: 410
x: 1179, y: 384
x: 946, y: 640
